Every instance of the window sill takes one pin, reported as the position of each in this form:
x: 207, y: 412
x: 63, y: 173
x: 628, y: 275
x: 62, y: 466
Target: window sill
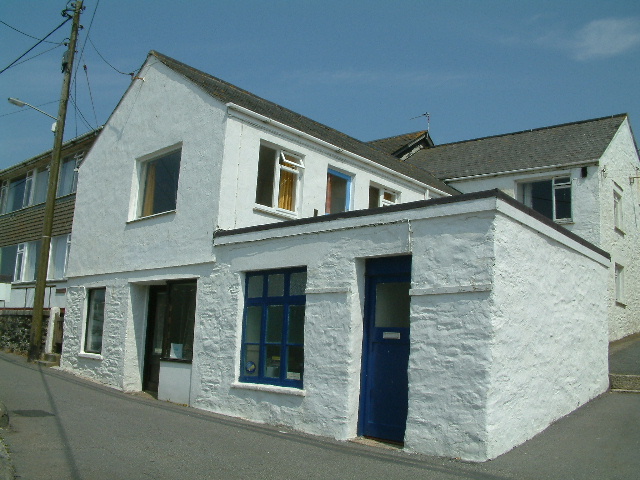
x: 155, y: 215
x: 261, y: 387
x: 175, y: 360
x: 565, y: 221
x: 619, y: 230
x: 621, y: 304
x: 92, y: 356
x: 276, y: 212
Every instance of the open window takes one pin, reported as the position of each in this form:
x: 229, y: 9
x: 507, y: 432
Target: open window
x: 273, y: 328
x: 338, y: 192
x: 551, y: 198
x: 159, y: 184
x: 278, y: 178
x: 381, y: 197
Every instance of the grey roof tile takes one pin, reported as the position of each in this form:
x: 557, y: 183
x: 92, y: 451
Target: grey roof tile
x: 543, y: 147
x: 226, y: 92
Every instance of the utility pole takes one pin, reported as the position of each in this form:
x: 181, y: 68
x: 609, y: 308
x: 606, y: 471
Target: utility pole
x: 35, y: 341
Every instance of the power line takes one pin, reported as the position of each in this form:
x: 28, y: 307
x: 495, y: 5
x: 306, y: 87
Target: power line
x: 26, y: 34
x: 39, y: 42
x: 41, y: 53
x: 105, y: 61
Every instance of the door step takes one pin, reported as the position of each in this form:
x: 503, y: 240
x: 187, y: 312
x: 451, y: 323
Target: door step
x: 624, y: 383
x: 49, y: 360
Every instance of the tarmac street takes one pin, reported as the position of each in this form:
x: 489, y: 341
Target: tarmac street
x: 64, y: 427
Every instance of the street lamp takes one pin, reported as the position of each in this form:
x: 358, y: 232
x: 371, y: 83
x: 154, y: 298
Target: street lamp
x: 20, y: 103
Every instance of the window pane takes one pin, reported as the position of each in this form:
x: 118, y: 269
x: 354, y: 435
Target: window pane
x: 374, y: 197
x: 563, y: 203
x: 392, y: 305
x: 16, y: 194
x: 266, y: 172
x: 541, y: 199
x: 33, y: 254
x: 42, y: 184
x: 251, y: 362
x: 275, y: 319
x: 182, y: 313
x: 296, y: 324
x: 161, y: 184
x: 254, y: 288
x: 275, y: 286
x: 336, y: 194
x: 7, y: 263
x: 298, y: 283
x: 390, y: 197
x: 58, y: 256
x: 66, y: 179
x: 253, y: 325
x: 295, y: 363
x: 95, y: 321
x: 272, y: 362
x: 286, y: 192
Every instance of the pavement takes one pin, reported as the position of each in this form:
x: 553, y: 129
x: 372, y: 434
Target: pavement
x: 65, y: 427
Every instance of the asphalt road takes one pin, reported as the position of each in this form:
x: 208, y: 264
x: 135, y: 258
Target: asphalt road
x: 63, y: 427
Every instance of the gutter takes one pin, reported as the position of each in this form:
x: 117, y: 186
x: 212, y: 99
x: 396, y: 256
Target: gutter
x: 523, y: 170
x: 330, y: 146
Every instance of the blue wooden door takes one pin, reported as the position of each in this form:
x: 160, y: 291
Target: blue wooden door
x: 384, y: 390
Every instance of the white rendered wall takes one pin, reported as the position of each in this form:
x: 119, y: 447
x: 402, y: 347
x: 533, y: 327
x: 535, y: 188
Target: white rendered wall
x: 239, y: 175
x: 162, y: 111
x: 618, y: 165
x: 549, y: 348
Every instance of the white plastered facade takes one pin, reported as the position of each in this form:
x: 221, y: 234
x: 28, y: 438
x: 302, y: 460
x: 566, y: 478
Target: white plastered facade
x: 466, y: 395
x: 592, y: 203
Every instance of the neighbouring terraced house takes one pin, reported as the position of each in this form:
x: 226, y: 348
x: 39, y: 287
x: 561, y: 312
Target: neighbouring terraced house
x: 235, y: 256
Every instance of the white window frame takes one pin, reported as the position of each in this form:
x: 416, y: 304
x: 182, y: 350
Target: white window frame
x: 524, y: 187
x: 382, y: 191
x: 282, y: 162
x: 88, y: 320
x: 142, y: 172
x: 52, y: 256
x: 19, y: 269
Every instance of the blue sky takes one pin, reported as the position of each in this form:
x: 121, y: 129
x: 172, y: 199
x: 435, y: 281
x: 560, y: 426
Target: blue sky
x: 366, y: 68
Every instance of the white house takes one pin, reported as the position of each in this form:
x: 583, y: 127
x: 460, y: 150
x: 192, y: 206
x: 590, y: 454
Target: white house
x: 230, y: 254
x: 584, y: 175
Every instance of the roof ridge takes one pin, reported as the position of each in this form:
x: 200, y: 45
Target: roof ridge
x: 591, y: 120
x: 417, y: 133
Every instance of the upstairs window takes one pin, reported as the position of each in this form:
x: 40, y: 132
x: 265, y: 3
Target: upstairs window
x: 381, y: 197
x: 68, y: 176
x: 278, y: 178
x: 551, y: 198
x: 159, y: 184
x: 617, y: 210
x: 273, y: 330
x: 16, y: 193
x: 338, y: 192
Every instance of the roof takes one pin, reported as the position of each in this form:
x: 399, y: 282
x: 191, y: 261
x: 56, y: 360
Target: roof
x: 566, y: 144
x: 228, y: 93
x: 402, y: 143
x: 26, y: 165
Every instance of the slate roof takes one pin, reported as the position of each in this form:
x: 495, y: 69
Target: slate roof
x: 564, y: 144
x: 226, y: 92
x: 391, y: 145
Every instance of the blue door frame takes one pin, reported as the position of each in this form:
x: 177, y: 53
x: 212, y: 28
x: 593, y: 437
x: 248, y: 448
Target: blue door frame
x: 385, y: 352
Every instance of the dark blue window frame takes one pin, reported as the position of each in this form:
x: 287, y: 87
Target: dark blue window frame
x: 273, y: 327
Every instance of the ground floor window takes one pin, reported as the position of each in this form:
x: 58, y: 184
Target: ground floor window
x: 273, y: 328
x: 95, y: 320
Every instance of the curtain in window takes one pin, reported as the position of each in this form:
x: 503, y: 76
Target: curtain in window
x: 287, y: 182
x: 149, y: 189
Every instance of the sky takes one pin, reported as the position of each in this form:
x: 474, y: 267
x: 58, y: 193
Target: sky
x: 370, y: 69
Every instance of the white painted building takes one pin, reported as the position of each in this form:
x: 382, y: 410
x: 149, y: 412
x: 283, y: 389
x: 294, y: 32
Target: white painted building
x: 583, y: 175
x: 203, y: 266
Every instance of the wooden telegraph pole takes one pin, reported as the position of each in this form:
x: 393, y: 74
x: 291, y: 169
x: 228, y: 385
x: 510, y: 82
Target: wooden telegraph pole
x: 35, y: 341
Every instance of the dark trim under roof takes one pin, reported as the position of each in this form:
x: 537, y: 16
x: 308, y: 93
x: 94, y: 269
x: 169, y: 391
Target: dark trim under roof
x: 413, y: 206
x: 566, y: 144
x: 228, y: 93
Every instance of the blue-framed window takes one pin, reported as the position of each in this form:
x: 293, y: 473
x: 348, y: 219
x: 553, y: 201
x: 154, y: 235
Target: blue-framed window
x: 338, y: 192
x: 273, y: 327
